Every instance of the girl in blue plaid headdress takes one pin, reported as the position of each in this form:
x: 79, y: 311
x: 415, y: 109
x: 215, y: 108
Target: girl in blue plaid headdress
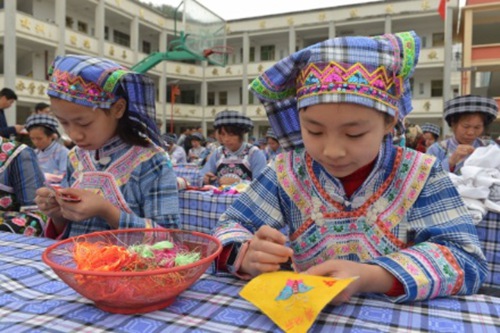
x: 431, y: 134
x: 235, y: 160
x: 468, y: 116
x: 354, y: 204
x: 118, y: 174
x: 273, y: 145
x: 52, y: 155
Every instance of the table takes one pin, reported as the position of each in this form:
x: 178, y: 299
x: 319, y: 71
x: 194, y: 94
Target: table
x: 190, y: 172
x: 33, y: 299
x: 488, y: 231
x: 200, y: 210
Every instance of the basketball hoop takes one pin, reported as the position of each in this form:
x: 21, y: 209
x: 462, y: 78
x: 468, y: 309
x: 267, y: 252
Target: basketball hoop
x: 218, y: 49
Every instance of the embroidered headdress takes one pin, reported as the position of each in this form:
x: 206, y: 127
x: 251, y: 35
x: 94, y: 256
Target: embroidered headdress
x: 43, y: 120
x: 431, y: 128
x: 99, y: 82
x: 370, y: 71
x: 469, y: 104
x: 233, y: 118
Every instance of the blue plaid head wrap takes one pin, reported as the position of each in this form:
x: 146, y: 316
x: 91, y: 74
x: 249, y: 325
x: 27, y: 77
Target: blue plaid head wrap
x: 233, y: 118
x: 98, y: 83
x: 370, y: 71
x: 471, y: 103
x: 43, y: 120
x: 270, y: 134
x: 431, y: 128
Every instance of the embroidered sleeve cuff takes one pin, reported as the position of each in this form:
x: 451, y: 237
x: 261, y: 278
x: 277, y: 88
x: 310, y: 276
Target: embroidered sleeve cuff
x: 235, y: 267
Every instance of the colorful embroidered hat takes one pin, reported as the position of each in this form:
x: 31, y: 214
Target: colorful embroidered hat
x: 99, y: 82
x: 431, y: 128
x: 370, y: 71
x: 43, y: 120
x: 469, y: 104
x: 233, y: 118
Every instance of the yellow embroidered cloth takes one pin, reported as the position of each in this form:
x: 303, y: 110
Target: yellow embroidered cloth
x: 292, y: 300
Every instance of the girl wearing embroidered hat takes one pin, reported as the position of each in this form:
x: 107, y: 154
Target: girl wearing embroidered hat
x: 468, y: 116
x: 431, y: 133
x: 273, y: 145
x: 354, y: 204
x: 118, y: 174
x: 51, y: 154
x: 235, y: 160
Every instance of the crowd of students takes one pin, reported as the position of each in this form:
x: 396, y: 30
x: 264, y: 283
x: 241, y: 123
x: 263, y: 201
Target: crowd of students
x: 353, y: 202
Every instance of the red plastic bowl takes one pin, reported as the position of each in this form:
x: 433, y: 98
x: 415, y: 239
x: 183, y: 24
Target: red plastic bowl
x: 133, y: 292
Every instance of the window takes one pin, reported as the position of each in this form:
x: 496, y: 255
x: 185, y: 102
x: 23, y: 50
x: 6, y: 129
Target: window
x: 121, y: 38
x: 146, y: 47
x: 437, y: 88
x: 438, y: 39
x: 267, y: 52
x: 106, y: 33
x: 250, y: 98
x: 69, y: 22
x: 222, y: 97
x: 211, y: 98
x: 188, y: 97
x: 82, y: 27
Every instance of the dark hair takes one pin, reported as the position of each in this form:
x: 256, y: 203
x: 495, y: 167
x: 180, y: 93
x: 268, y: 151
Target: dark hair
x: 130, y: 132
x: 233, y: 130
x: 455, y: 118
x: 47, y: 131
x: 41, y: 106
x: 434, y: 135
x: 8, y: 93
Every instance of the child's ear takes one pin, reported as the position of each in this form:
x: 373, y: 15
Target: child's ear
x: 119, y: 108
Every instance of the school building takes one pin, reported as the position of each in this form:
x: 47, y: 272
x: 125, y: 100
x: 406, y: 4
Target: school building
x: 33, y: 32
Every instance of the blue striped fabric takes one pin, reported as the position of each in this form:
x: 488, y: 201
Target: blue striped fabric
x: 488, y: 231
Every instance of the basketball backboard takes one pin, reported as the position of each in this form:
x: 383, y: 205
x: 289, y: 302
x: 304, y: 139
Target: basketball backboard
x: 204, y: 31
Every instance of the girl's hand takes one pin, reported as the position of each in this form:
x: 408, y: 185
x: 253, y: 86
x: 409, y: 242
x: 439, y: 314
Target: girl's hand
x: 461, y: 153
x: 371, y: 278
x: 86, y: 205
x: 266, y: 252
x: 47, y: 203
x: 209, y: 178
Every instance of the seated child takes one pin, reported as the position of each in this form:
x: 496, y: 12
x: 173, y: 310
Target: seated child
x: 119, y: 176
x: 20, y: 177
x: 355, y: 204
x: 52, y: 155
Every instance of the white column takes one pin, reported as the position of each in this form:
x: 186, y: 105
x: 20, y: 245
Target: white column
x: 244, y: 79
x: 61, y: 24
x: 134, y: 38
x: 388, y: 25
x: 448, y: 54
x: 204, y: 99
x: 162, y: 88
x: 292, y: 36
x: 100, y: 19
x: 10, y: 56
x: 332, y: 33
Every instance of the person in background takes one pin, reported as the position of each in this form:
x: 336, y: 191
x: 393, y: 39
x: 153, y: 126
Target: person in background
x: 414, y: 138
x: 273, y: 145
x: 184, y: 135
x: 20, y: 177
x: 354, y: 204
x: 431, y: 134
x: 235, y: 160
x: 42, y: 108
x: 262, y: 144
x: 177, y: 154
x: 468, y: 116
x: 52, y: 156
x: 118, y: 175
x: 7, y: 98
x: 197, y: 151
